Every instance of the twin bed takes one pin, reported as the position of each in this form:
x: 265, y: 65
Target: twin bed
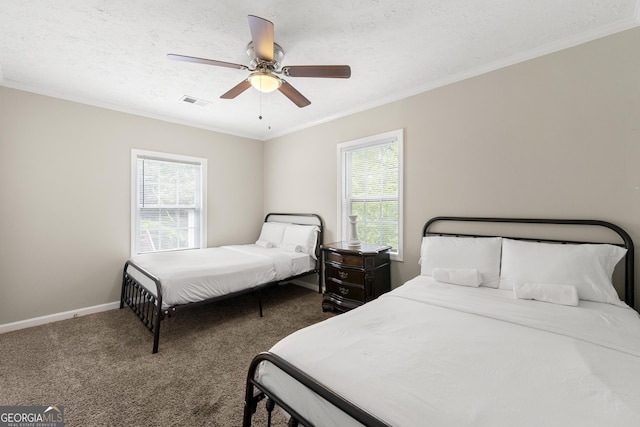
x: 159, y: 285
x: 518, y: 329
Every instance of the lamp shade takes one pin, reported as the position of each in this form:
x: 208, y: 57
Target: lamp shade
x: 264, y: 82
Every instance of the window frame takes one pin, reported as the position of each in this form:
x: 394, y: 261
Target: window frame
x: 371, y: 141
x: 168, y: 157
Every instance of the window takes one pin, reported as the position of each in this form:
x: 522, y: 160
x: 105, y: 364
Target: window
x: 168, y: 200
x: 370, y: 186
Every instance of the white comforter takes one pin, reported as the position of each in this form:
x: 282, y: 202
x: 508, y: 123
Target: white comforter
x: 195, y: 275
x: 433, y: 354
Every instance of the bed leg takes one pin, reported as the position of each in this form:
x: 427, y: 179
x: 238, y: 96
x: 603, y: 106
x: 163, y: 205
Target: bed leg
x: 156, y: 331
x: 270, y: 404
x: 124, y: 273
x: 260, y: 301
x: 251, y: 400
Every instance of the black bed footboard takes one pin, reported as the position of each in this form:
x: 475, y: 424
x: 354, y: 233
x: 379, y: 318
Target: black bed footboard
x: 253, y: 396
x: 144, y: 303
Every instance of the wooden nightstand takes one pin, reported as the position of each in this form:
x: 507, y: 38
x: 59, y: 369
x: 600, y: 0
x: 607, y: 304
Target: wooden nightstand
x: 354, y: 276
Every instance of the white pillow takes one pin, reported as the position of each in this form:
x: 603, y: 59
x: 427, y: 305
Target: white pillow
x: 588, y: 267
x: 547, y: 292
x: 272, y: 232
x: 291, y: 247
x: 264, y: 244
x: 301, y: 235
x: 481, y: 253
x: 458, y: 276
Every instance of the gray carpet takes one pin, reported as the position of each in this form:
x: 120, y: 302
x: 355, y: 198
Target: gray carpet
x: 100, y: 367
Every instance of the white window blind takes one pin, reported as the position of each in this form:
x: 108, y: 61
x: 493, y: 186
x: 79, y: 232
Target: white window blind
x: 168, y: 202
x: 371, y: 187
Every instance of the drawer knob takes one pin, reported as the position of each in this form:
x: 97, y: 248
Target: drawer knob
x: 343, y: 274
x: 344, y: 291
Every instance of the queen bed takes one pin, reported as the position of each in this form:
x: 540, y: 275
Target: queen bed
x: 159, y: 285
x: 495, y: 331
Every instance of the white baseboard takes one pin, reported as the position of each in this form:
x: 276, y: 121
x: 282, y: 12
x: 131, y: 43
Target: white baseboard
x: 50, y: 318
x: 302, y: 283
x: 42, y: 320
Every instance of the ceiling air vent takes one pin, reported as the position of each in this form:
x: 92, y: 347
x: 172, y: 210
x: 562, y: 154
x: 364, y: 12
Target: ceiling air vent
x: 195, y: 101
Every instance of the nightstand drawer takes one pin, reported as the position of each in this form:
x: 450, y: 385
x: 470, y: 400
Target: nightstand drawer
x: 345, y: 290
x: 350, y: 260
x: 344, y: 274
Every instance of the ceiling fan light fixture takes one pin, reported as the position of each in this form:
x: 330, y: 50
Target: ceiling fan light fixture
x: 264, y: 82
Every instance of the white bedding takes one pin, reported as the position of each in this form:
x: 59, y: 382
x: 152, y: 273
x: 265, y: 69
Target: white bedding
x: 430, y: 353
x: 196, y: 275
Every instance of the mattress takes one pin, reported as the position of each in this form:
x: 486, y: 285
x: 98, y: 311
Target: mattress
x: 196, y: 275
x: 429, y: 353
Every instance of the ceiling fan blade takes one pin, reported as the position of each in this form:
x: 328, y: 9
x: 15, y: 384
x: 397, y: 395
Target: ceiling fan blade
x: 236, y: 90
x: 295, y: 96
x: 184, y: 58
x: 327, y: 71
x: 262, y: 37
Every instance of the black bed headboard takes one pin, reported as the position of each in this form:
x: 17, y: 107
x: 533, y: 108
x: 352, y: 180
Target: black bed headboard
x: 296, y: 218
x: 624, y: 236
x: 302, y: 219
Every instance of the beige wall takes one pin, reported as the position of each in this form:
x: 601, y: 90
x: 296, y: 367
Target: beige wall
x: 65, y: 191
x: 558, y: 136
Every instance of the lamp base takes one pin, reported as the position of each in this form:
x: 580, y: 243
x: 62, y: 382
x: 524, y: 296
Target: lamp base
x: 354, y: 241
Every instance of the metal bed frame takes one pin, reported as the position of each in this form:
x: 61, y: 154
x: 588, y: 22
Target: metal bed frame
x: 148, y: 306
x: 255, y: 391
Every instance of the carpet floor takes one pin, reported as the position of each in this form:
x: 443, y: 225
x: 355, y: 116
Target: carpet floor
x: 101, y: 370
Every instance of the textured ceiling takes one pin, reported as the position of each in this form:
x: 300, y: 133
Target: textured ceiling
x: 112, y: 53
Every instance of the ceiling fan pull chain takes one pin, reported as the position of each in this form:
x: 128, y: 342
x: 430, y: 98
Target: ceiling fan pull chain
x: 269, y: 118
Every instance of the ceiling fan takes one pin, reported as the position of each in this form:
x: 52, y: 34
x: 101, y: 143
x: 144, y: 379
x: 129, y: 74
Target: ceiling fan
x: 265, y: 66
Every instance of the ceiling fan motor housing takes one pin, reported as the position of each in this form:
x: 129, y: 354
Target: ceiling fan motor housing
x: 255, y: 63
